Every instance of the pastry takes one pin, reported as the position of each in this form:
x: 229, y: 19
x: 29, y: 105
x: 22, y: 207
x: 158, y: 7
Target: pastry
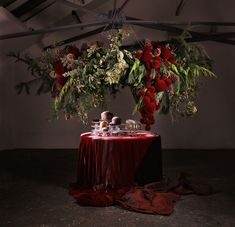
x: 106, y: 116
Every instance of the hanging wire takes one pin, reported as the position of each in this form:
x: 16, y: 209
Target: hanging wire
x: 139, y: 41
x: 108, y: 28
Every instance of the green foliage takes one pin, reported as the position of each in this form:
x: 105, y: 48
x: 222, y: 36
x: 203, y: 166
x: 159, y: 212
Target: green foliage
x: 39, y: 69
x: 192, y: 62
x: 136, y: 74
x: 98, y: 70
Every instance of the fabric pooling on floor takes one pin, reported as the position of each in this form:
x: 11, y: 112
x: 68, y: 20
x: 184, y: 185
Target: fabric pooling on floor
x: 154, y: 198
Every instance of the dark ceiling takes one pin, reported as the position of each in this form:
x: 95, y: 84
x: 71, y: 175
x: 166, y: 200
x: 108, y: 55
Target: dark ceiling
x: 32, y: 7
x: 26, y: 10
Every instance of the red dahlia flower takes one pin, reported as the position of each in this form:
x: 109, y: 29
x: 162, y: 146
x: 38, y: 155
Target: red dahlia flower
x: 58, y: 67
x: 141, y: 93
x: 148, y: 85
x: 160, y: 85
x: 167, y: 80
x: 157, y: 62
x: 166, y: 62
x: 59, y: 70
x: 147, y: 56
x: 139, y: 54
x: 166, y: 53
x: 147, y: 100
x: 151, y: 89
x: 172, y: 59
x: 73, y: 50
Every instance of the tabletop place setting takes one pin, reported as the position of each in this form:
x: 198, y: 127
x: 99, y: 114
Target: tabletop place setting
x: 110, y: 125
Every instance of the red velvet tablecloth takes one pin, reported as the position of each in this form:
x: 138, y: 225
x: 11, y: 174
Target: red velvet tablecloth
x: 119, y: 170
x: 111, y: 163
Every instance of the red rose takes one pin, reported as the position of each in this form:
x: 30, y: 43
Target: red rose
x: 166, y: 62
x: 172, y: 59
x: 151, y: 89
x: 157, y: 63
x: 147, y: 57
x: 148, y: 77
x: 148, y: 93
x: 147, y: 107
x: 146, y: 99
x: 59, y: 70
x: 152, y: 96
x: 138, y: 54
x: 168, y: 82
x: 157, y: 52
x: 166, y: 53
x: 61, y: 79
x: 153, y: 106
x: 148, y: 85
x: 148, y: 45
x: 160, y: 85
x: 73, y: 50
x: 164, y: 77
x: 58, y: 67
x: 141, y: 93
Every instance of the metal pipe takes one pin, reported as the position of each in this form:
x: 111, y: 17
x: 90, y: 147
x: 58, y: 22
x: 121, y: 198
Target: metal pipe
x: 196, y: 36
x: 81, y: 36
x: 137, y: 22
x: 55, y: 29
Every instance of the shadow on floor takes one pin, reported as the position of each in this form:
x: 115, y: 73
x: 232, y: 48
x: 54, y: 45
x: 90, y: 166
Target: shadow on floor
x: 56, y: 167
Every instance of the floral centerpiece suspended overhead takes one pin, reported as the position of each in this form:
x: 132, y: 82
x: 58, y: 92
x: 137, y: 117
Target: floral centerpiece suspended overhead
x: 163, y: 76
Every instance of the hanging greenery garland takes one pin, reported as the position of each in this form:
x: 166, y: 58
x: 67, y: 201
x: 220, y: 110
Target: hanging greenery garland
x: 163, y: 76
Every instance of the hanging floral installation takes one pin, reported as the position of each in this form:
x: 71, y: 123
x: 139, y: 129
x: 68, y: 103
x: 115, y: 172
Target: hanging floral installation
x: 163, y: 76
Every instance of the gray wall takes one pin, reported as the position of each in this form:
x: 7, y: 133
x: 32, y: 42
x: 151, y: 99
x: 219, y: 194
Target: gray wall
x: 23, y: 119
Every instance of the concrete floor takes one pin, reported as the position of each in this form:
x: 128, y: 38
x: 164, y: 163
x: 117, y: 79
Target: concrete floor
x: 34, y: 192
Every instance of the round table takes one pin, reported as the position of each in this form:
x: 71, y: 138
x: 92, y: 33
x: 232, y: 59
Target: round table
x: 114, y: 162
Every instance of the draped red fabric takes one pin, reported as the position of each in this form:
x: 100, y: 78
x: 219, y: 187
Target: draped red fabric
x: 155, y: 198
x: 159, y: 197
x: 111, y: 170
x: 110, y: 163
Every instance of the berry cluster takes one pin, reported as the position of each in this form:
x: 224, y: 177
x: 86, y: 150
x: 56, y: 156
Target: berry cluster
x: 154, y: 56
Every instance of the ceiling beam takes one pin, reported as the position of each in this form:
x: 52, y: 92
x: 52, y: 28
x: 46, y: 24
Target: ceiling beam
x: 196, y: 36
x: 55, y: 29
x: 137, y: 21
x: 6, y: 3
x: 15, y: 4
x: 37, y: 10
x: 81, y: 36
x: 26, y: 7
